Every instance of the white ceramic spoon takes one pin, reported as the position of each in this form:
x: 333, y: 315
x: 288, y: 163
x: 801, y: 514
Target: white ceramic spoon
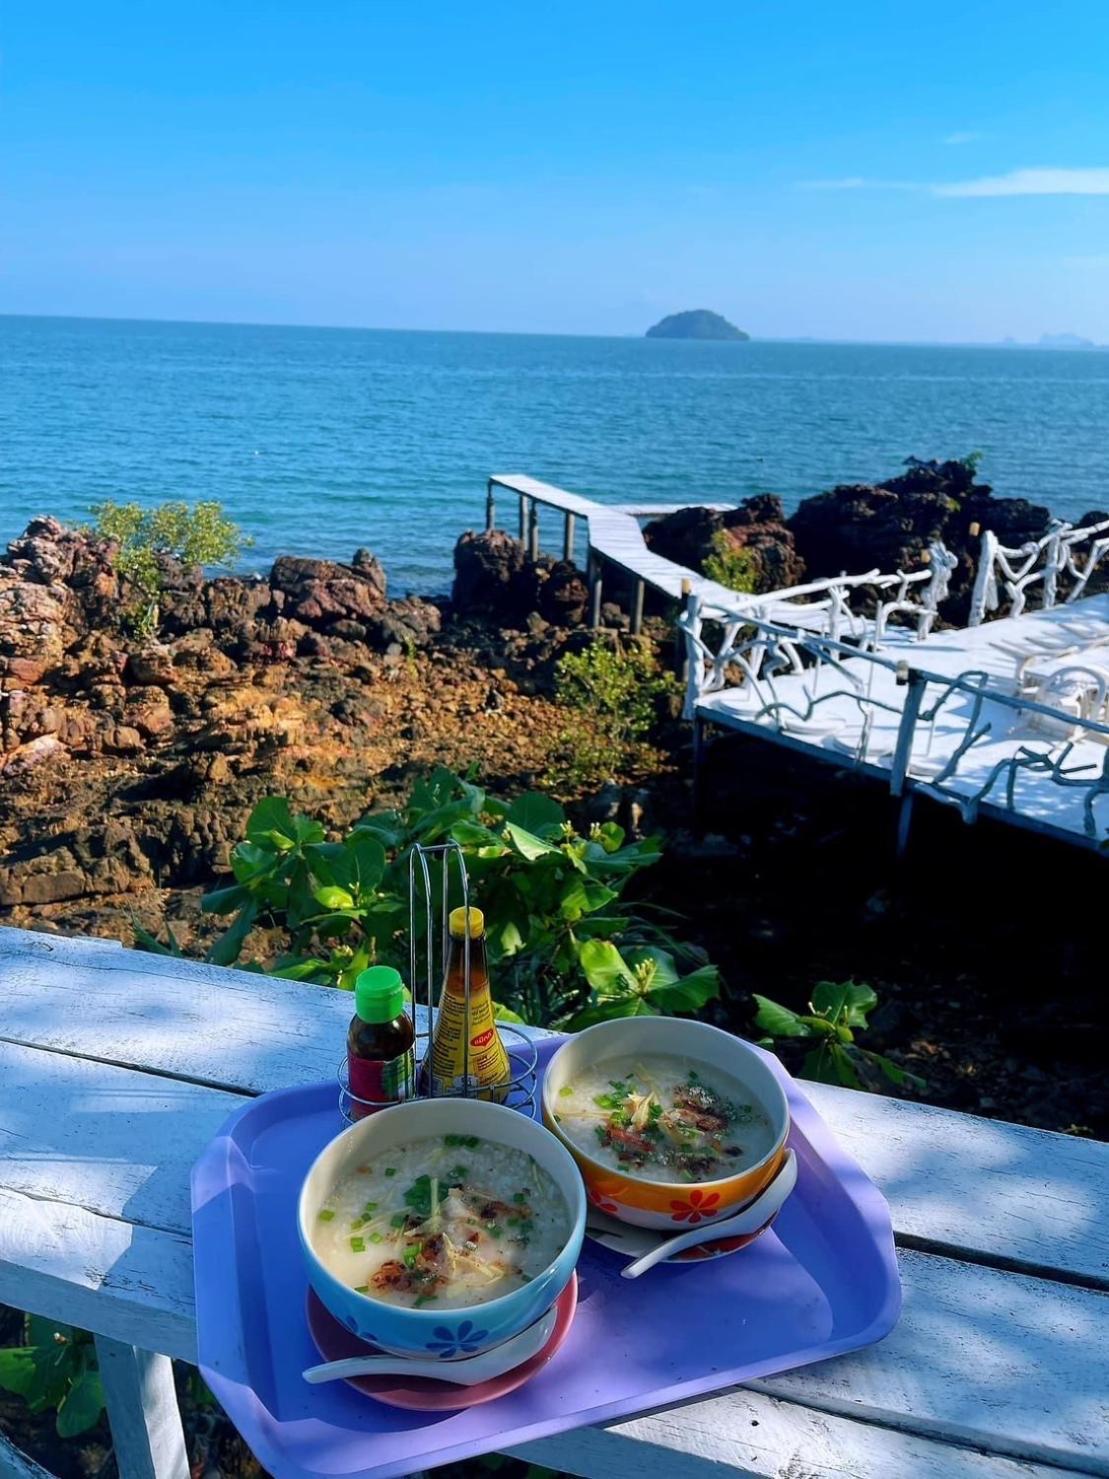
x: 753, y: 1216
x: 467, y: 1371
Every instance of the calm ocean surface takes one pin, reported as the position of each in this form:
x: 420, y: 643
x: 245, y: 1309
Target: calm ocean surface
x: 321, y: 440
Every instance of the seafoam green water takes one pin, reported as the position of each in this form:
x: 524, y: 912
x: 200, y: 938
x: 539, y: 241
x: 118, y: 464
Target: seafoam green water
x: 321, y: 440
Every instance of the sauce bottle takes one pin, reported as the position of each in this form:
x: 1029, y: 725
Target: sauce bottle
x: 381, y: 1042
x: 467, y: 1033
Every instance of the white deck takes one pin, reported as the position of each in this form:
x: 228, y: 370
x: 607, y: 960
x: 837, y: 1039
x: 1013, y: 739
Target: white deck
x: 833, y: 728
x: 116, y: 1069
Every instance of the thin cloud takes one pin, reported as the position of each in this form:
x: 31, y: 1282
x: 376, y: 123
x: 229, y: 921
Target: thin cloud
x: 963, y: 136
x: 860, y: 182
x: 1040, y: 181
x: 1033, y: 182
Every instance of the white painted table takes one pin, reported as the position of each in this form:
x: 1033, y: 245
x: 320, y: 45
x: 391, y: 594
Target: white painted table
x: 117, y: 1068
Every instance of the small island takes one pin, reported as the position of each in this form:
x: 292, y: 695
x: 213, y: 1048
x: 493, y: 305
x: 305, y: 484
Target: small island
x: 695, y: 323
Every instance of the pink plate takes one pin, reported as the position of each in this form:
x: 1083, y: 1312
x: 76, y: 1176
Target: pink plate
x: 425, y: 1393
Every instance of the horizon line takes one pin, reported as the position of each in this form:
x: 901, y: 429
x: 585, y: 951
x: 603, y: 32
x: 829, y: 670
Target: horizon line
x: 213, y: 323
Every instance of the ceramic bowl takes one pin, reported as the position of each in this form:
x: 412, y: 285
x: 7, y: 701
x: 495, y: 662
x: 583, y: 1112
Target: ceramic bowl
x: 659, y: 1204
x: 454, y: 1333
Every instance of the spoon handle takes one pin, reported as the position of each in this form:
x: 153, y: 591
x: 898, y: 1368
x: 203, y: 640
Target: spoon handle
x: 373, y: 1366
x: 748, y: 1221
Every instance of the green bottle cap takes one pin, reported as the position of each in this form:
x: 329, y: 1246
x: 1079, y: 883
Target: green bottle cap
x: 379, y: 994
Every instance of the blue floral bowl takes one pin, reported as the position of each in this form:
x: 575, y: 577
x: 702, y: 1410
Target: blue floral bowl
x: 449, y: 1334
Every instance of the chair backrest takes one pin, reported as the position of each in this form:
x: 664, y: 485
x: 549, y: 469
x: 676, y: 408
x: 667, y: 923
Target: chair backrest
x: 1058, y: 553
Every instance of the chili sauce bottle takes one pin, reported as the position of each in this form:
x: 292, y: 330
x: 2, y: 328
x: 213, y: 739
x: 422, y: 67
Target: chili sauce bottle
x: 467, y: 1054
x: 381, y: 1042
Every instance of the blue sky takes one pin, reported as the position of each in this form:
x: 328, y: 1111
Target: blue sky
x: 857, y: 171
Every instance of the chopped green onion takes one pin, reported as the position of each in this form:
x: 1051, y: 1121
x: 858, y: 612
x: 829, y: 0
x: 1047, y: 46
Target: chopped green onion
x: 390, y: 1170
x: 520, y: 1196
x: 368, y: 1208
x: 398, y: 1219
x: 361, y: 1288
x: 358, y: 1245
x: 326, y: 1215
x: 565, y: 1091
x: 424, y: 1299
x: 375, y: 1237
x: 411, y: 1253
x: 459, y: 1173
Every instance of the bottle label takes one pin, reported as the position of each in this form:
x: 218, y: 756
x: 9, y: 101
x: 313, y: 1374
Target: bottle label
x: 381, y: 1081
x: 485, y: 1064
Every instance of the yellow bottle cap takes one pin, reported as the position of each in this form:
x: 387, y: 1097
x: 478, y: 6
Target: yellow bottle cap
x: 458, y: 923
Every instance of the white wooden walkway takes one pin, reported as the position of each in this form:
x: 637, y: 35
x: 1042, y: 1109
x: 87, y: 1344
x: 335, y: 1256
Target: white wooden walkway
x: 615, y: 538
x: 116, y: 1069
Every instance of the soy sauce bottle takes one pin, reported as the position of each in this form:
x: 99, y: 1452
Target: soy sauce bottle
x: 381, y: 1042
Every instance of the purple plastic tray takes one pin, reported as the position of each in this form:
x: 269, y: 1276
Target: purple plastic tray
x: 822, y: 1281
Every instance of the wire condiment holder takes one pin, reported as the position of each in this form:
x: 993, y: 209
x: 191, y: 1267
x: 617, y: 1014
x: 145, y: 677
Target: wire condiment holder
x: 427, y: 962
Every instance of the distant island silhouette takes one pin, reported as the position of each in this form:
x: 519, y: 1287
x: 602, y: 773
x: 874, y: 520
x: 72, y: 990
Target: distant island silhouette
x: 695, y: 323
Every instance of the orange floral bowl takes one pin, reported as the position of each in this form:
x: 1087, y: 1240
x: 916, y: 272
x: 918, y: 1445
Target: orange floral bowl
x: 660, y: 1204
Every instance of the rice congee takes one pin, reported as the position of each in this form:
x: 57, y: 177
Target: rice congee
x: 663, y: 1118
x: 442, y: 1223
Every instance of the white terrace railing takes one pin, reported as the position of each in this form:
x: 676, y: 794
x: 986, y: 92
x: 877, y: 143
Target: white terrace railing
x: 969, y: 720
x: 1043, y: 561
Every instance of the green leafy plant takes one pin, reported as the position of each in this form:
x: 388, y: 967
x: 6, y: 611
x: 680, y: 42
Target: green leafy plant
x: 566, y: 948
x: 838, y: 1010
x: 617, y: 689
x: 731, y: 564
x: 56, y: 1368
x: 199, y: 535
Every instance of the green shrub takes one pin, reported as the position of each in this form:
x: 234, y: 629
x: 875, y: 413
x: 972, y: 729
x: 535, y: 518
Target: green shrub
x: 565, y: 946
x: 838, y: 1010
x: 55, y: 1369
x: 732, y: 565
x: 199, y: 535
x: 617, y: 691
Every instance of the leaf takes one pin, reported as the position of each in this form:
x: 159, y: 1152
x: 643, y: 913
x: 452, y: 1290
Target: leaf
x: 778, y: 1020
x: 689, y: 994
x: 506, y: 1014
x: 81, y: 1406
x: 224, y: 900
x: 331, y: 896
x: 537, y: 813
x: 44, y: 1332
x: 584, y: 896
x: 386, y: 827
x: 271, y: 821
x: 468, y: 833
x: 665, y: 973
x: 610, y: 836
x: 527, y: 844
x: 605, y: 968
x: 150, y: 943
x: 849, y: 1000
x: 17, y: 1369
x: 894, y: 1072
x: 604, y: 1011
x: 226, y: 949
x: 359, y: 864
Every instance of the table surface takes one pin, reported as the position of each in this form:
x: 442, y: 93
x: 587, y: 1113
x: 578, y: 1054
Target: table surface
x: 117, y: 1068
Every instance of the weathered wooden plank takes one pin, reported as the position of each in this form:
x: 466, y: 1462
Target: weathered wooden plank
x: 142, y: 1410
x: 133, y: 1284
x: 754, y: 1436
x: 1008, y: 1193
x: 15, y: 1464
x: 1038, y: 1205
x: 984, y: 1357
x: 112, y: 1140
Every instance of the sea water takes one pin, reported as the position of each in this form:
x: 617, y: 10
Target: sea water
x: 318, y: 441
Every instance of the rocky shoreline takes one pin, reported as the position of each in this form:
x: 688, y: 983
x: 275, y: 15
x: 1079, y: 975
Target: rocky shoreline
x: 127, y: 766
